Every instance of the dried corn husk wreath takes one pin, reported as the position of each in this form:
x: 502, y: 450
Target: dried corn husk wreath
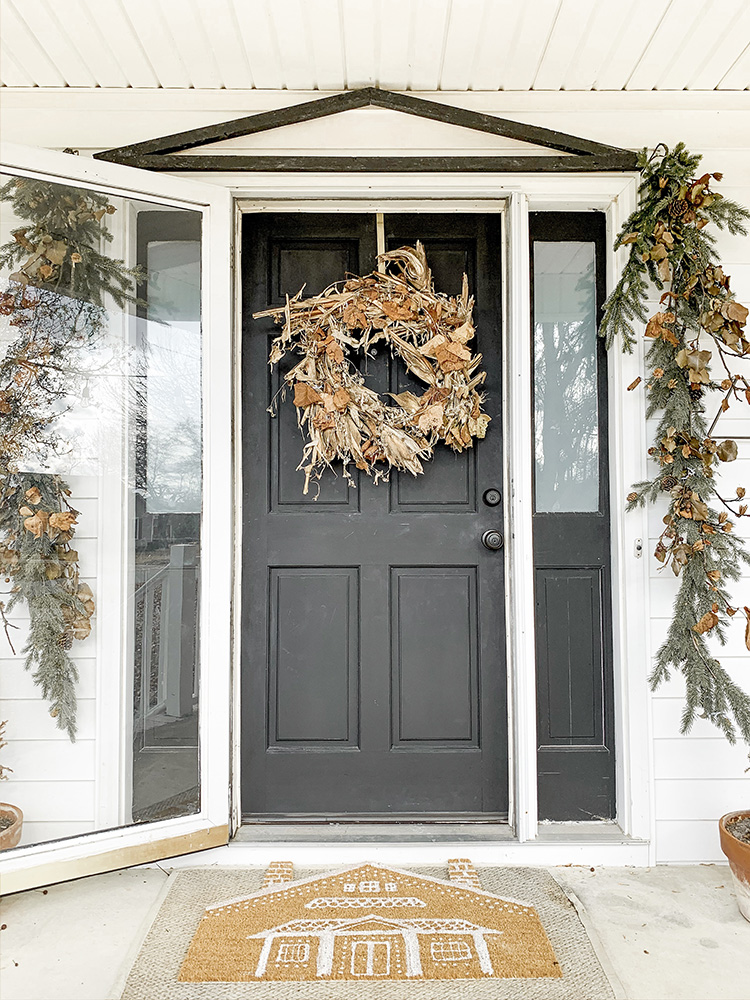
x: 342, y: 418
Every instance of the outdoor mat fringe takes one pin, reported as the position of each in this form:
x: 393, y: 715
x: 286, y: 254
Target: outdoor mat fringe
x: 373, y: 932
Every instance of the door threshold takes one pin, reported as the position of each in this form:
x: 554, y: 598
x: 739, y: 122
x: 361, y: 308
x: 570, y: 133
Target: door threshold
x: 373, y: 819
x: 322, y: 832
x: 335, y: 845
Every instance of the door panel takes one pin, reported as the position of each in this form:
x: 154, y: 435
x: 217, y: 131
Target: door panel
x: 372, y: 633
x: 294, y: 261
x: 445, y: 712
x: 314, y: 658
x: 570, y: 689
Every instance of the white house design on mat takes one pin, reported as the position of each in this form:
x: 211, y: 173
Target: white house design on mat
x: 371, y: 922
x: 375, y: 946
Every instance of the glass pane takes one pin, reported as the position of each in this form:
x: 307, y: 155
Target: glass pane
x: 566, y: 420
x: 100, y: 508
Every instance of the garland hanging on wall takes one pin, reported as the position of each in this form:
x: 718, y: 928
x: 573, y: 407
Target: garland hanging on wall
x: 345, y: 420
x: 54, y: 302
x: 699, y: 327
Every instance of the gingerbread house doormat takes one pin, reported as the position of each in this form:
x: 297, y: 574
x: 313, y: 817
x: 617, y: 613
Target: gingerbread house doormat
x: 369, y: 923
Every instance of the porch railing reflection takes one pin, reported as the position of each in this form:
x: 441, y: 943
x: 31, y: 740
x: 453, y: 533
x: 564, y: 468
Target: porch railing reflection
x: 165, y: 684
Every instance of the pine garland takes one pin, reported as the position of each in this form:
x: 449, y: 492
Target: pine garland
x: 672, y: 248
x: 55, y: 301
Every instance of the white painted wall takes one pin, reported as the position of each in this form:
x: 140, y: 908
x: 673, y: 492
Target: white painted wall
x: 696, y: 777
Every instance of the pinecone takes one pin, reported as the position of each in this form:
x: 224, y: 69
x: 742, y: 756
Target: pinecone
x: 66, y: 640
x: 668, y: 483
x: 695, y: 392
x: 677, y: 207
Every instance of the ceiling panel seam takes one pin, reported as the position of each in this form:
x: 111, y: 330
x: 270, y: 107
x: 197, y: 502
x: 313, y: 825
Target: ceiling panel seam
x: 342, y: 43
x: 309, y: 45
x: 741, y: 12
x: 35, y: 43
x: 65, y: 38
x: 546, y: 45
x: 481, y: 33
x: 741, y: 56
x: 107, y: 52
x: 139, y: 44
x: 681, y: 45
x: 581, y: 48
x: 241, y: 42
x: 8, y: 56
x: 444, y: 47
x: 377, y: 43
x: 195, y: 10
x: 274, y: 36
x: 648, y: 44
x: 167, y: 27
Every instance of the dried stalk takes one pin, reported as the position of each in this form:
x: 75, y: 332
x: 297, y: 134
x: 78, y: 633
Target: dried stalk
x: 342, y: 418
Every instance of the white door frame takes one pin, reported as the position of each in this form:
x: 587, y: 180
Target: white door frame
x: 514, y: 196
x: 614, y: 194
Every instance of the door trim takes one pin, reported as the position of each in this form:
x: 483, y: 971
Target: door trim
x: 513, y: 196
x: 69, y: 863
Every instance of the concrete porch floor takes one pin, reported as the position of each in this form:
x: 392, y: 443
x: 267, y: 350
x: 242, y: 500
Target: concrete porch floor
x: 667, y: 933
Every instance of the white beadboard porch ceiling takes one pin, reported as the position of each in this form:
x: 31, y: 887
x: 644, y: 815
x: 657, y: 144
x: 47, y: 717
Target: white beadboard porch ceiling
x: 422, y: 45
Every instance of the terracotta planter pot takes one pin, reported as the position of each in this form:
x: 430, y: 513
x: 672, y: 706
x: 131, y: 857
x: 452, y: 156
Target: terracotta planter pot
x: 10, y: 836
x: 738, y: 853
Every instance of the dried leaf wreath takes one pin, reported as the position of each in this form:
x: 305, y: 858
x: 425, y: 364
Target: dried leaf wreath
x: 343, y: 418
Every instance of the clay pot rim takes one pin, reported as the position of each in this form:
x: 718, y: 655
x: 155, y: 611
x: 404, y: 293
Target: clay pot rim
x: 10, y: 836
x: 738, y: 851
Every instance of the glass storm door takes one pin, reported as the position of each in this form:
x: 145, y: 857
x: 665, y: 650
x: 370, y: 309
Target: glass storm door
x: 115, y: 362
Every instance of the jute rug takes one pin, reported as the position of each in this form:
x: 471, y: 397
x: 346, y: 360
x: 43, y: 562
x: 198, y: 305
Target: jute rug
x: 370, y: 932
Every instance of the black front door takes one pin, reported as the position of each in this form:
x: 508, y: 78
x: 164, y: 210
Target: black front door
x: 373, y: 633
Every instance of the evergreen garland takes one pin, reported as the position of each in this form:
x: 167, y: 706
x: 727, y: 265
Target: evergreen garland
x: 55, y: 301
x: 672, y: 248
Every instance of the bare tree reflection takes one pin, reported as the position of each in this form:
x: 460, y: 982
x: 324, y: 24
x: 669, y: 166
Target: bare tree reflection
x: 565, y: 378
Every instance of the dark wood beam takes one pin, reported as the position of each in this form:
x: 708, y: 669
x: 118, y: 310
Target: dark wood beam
x: 584, y: 154
x: 616, y: 161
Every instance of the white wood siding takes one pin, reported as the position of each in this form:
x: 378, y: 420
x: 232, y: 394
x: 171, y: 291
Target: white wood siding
x: 547, y: 45
x: 54, y: 781
x: 697, y: 776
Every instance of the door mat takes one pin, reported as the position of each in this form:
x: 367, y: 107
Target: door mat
x: 368, y: 931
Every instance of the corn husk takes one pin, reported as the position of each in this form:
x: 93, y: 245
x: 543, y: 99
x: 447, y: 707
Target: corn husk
x: 341, y: 418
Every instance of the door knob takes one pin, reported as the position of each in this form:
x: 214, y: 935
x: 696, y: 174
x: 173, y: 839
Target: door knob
x: 492, y: 539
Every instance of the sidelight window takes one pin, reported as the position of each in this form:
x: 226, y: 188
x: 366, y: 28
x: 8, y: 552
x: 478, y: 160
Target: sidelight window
x: 566, y: 426
x: 571, y: 529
